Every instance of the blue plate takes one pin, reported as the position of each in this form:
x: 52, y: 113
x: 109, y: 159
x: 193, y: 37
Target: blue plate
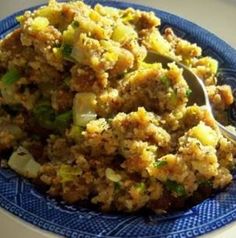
x: 21, y: 198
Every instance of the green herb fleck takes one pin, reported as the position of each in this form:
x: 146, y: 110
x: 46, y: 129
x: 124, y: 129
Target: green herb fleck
x: 11, y: 76
x: 110, y: 120
x: 67, y: 81
x: 49, y: 119
x: 188, y: 92
x: 19, y: 18
x: 173, y: 186
x: 117, y: 186
x: 165, y: 80
x: 66, y: 50
x: 159, y: 163
x: 173, y: 96
x: 63, y: 120
x: 75, y: 24
x: 45, y: 115
x: 68, y: 173
x: 75, y: 133
x: 141, y: 186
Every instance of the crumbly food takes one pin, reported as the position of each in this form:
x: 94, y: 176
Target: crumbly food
x: 98, y: 123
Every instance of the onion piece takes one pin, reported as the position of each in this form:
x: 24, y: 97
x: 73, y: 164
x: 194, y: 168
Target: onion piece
x: 112, y: 175
x: 84, y: 108
x: 23, y: 163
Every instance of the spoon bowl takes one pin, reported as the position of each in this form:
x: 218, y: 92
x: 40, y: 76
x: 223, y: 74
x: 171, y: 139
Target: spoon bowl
x: 199, y: 94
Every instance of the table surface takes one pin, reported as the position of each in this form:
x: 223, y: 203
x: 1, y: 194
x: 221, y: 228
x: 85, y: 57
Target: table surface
x: 218, y: 16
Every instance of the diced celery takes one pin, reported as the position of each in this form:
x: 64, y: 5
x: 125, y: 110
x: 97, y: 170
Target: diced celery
x: 20, y: 18
x: 84, y: 108
x: 48, y: 118
x: 68, y: 35
x: 205, y: 134
x: 39, y: 23
x: 158, y: 44
x: 123, y: 33
x: 165, y: 80
x: 160, y: 163
x: 112, y: 175
x: 140, y: 186
x: 23, y: 163
x: 173, y: 97
x: 75, y: 133
x: 66, y: 50
x: 213, y: 65
x: 11, y: 76
x: 175, y: 187
x: 68, y: 173
x: 51, y: 13
x: 63, y: 120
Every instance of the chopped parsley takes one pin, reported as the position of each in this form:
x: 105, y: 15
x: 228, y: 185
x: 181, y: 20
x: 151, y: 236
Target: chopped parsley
x: 67, y: 81
x: 66, y: 50
x: 165, y: 80
x: 49, y: 119
x: 117, y: 186
x: 11, y: 76
x: 75, y: 24
x: 141, y: 186
x: 44, y: 115
x: 188, y: 92
x: 159, y: 163
x: 175, y: 187
x: 63, y: 120
x: 19, y: 18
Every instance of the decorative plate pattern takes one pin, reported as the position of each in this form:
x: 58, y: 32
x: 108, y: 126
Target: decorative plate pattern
x: 22, y: 199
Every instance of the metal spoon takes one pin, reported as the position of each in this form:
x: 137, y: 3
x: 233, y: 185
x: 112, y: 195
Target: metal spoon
x: 199, y: 94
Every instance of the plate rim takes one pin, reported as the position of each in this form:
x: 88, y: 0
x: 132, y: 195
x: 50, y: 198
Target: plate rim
x: 14, y: 209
